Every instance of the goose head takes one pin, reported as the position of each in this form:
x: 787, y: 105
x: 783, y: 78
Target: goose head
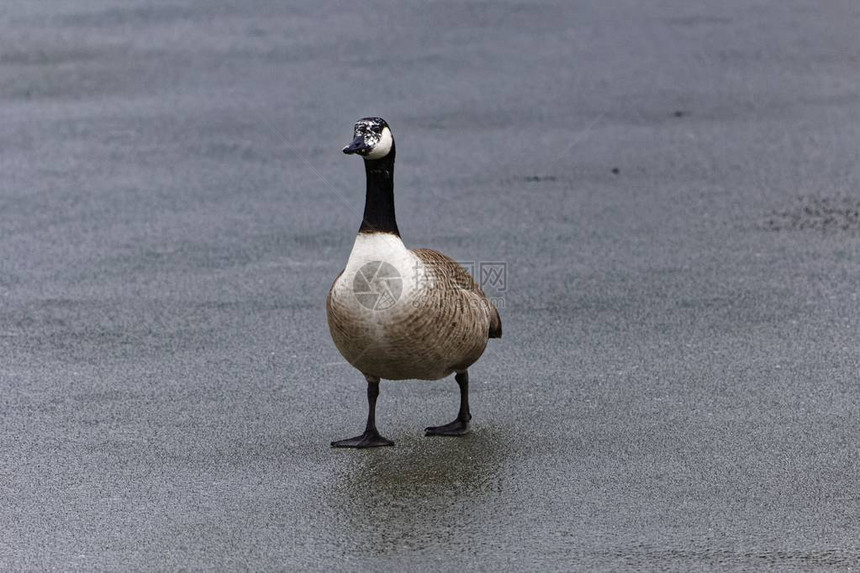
x: 372, y: 139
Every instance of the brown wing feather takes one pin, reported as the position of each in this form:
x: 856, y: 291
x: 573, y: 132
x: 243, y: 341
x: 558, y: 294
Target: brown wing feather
x: 453, y: 275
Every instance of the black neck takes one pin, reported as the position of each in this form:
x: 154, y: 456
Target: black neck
x: 379, y: 202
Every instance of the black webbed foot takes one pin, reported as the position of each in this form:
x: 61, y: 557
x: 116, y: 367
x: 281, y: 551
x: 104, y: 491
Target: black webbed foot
x: 366, y: 440
x: 370, y: 438
x: 458, y: 427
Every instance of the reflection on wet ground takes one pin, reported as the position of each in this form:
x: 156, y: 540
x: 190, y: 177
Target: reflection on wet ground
x: 421, y: 493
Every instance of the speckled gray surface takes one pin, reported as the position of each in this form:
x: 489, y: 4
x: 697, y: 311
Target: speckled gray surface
x: 670, y: 185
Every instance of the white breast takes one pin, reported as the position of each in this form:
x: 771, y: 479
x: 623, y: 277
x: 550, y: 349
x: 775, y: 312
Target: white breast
x: 381, y: 274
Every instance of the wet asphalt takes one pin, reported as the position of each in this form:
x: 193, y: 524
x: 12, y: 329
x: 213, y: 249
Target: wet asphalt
x: 673, y: 189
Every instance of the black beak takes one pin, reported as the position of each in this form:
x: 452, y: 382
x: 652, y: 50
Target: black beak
x: 357, y: 146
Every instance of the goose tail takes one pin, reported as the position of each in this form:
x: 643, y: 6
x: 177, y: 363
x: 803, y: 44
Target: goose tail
x: 495, y: 323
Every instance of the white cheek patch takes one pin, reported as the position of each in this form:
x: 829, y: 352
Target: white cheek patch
x: 382, y: 148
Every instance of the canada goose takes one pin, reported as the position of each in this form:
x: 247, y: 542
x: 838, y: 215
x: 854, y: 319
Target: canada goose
x: 399, y: 314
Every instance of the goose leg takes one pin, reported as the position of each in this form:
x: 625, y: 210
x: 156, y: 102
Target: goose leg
x: 370, y: 438
x: 459, y: 426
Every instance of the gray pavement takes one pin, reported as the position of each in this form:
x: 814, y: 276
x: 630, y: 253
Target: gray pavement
x: 673, y: 186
